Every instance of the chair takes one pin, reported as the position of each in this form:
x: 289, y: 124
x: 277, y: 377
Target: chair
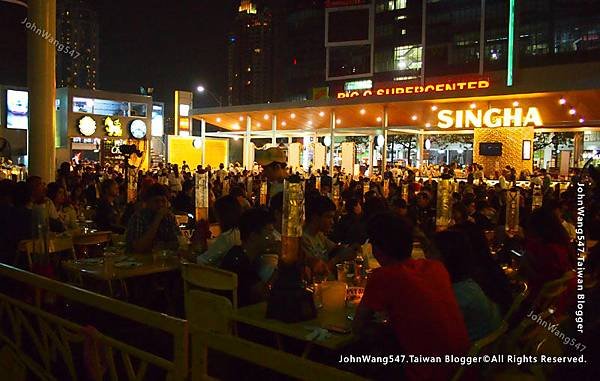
x: 480, y: 344
x: 55, y: 245
x: 205, y: 312
x: 516, y: 303
x: 208, y: 278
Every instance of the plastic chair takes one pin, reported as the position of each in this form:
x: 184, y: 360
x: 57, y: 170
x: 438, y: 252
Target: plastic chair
x: 480, y: 344
x: 210, y: 279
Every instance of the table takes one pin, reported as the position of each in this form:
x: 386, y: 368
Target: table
x: 105, y: 269
x: 254, y: 315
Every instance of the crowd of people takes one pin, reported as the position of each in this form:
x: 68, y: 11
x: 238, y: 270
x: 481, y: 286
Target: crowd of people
x: 435, y: 305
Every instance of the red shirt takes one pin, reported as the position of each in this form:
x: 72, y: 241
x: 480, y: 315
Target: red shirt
x: 418, y: 297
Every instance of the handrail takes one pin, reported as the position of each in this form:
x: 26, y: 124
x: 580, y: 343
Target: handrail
x: 130, y: 311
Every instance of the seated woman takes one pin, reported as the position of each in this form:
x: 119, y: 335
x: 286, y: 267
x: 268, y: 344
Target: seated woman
x: 350, y: 229
x: 320, y: 253
x: 228, y: 211
x: 481, y: 314
x: 255, y: 226
x: 65, y: 212
x: 416, y: 295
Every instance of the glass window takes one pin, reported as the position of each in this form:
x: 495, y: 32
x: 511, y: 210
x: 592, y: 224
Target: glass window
x: 407, y: 57
x: 349, y: 60
x: 85, y: 105
x: 138, y: 109
x: 111, y: 108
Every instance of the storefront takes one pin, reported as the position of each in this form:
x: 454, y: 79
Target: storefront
x: 460, y: 120
x: 92, y: 125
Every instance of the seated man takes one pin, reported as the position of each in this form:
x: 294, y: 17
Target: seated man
x: 154, y: 224
x: 256, y: 225
x: 320, y: 253
x: 416, y: 295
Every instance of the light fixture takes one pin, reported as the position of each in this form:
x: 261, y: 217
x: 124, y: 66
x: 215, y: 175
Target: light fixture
x: 310, y: 123
x: 197, y: 143
x: 363, y: 111
x: 572, y: 111
x: 338, y: 121
x: 526, y: 154
x: 284, y: 123
x: 378, y: 119
x: 434, y: 108
x: 266, y: 117
x: 236, y: 138
x: 427, y: 144
x: 427, y: 125
x: 562, y: 101
x: 581, y: 120
x: 327, y: 141
x: 241, y: 118
x: 257, y: 124
x: 293, y: 116
x: 380, y: 140
x: 321, y: 114
x: 236, y: 126
x: 472, y: 106
x: 218, y: 120
x: 414, y: 117
x: 200, y: 89
x: 515, y: 104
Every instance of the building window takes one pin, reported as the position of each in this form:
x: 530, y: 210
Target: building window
x: 407, y: 57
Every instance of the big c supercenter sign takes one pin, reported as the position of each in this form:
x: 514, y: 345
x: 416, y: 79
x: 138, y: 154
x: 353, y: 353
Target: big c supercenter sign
x: 443, y: 87
x: 492, y: 117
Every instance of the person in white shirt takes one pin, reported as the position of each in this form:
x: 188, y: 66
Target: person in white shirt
x: 228, y: 212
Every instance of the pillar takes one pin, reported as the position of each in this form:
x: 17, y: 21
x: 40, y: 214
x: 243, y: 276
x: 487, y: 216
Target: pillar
x: 246, y: 154
x: 420, y: 148
x: 203, y: 137
x: 332, y: 122
x: 577, y: 149
x: 274, y: 131
x: 41, y: 80
x: 371, y: 154
x: 385, y: 122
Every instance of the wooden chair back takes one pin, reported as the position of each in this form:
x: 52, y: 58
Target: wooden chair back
x: 196, y: 276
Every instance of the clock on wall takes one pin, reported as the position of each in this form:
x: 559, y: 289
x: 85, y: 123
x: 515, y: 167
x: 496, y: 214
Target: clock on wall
x: 138, y: 129
x: 87, y: 126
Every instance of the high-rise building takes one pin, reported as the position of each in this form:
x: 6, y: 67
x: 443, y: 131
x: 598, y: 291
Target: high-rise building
x: 250, y: 77
x: 77, y: 28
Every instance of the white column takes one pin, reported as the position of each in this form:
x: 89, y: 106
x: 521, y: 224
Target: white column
x: 385, y: 122
x: 246, y: 154
x: 290, y: 140
x: 332, y: 122
x: 274, y: 130
x: 371, y: 154
x: 203, y: 137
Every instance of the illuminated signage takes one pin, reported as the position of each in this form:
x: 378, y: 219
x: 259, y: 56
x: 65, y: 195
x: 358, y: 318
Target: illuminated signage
x: 113, y: 127
x: 417, y: 89
x: 493, y: 117
x: 87, y: 126
x: 138, y: 129
x: 358, y: 85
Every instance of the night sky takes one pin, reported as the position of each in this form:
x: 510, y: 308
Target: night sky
x: 165, y: 44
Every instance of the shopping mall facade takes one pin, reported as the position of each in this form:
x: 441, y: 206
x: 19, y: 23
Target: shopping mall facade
x: 548, y: 118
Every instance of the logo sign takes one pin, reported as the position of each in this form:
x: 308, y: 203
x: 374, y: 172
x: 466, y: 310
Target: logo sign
x: 113, y: 127
x: 87, y: 126
x: 437, y: 88
x: 493, y: 117
x: 138, y: 129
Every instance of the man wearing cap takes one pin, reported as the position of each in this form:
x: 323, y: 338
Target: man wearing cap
x: 273, y: 162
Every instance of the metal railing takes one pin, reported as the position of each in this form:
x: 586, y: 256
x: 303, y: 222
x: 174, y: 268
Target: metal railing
x: 53, y: 348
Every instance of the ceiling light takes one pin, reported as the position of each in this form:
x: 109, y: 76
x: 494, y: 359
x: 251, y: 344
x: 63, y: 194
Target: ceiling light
x: 236, y: 126
x: 515, y: 104
x: 414, y: 117
x: 572, y: 111
x: 472, y: 106
x: 562, y: 101
x: 427, y: 125
x: 378, y: 119
x: 581, y: 120
x: 363, y: 111
x: 218, y: 120
x: 338, y: 121
x: 293, y: 116
x: 434, y: 108
x: 310, y: 122
x: 257, y: 124
x: 266, y: 117
x: 283, y: 123
x: 321, y: 114
x: 241, y: 118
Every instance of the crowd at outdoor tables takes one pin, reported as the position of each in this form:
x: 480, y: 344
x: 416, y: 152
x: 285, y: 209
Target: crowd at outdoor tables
x: 419, y: 290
